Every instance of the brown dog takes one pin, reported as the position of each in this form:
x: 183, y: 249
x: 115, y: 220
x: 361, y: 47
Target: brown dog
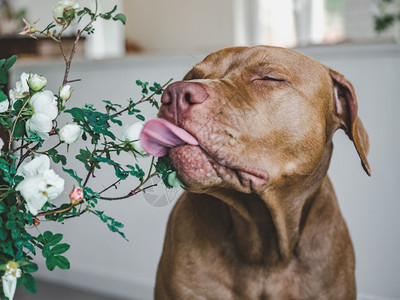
x: 259, y: 218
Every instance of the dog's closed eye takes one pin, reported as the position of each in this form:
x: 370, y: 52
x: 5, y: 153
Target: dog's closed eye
x: 268, y: 78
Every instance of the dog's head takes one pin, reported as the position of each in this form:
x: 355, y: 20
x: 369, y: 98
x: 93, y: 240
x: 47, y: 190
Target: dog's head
x: 259, y: 117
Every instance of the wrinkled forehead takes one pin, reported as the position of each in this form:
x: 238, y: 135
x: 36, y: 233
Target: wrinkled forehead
x: 259, y: 59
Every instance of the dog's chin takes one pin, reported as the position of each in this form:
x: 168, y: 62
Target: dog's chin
x: 200, y: 172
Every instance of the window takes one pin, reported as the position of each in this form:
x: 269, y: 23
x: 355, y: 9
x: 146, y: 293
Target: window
x: 291, y: 23
x: 300, y: 22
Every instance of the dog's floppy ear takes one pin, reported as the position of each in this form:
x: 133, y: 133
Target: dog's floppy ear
x: 346, y: 110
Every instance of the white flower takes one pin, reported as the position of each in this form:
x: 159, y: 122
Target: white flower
x: 36, y: 166
x: 21, y: 89
x: 66, y: 92
x: 63, y: 6
x: 131, y: 135
x: 1, y: 143
x: 54, y: 184
x: 41, y: 184
x: 34, y: 191
x: 70, y: 133
x: 45, y: 110
x: 4, y: 105
x: 37, y: 82
x: 9, y: 279
x: 39, y: 123
x: 45, y: 102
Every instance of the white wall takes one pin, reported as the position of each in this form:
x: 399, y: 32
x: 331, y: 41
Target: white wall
x: 103, y: 261
x: 180, y: 25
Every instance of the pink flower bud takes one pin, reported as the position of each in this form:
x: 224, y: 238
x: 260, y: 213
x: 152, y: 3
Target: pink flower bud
x: 76, y: 195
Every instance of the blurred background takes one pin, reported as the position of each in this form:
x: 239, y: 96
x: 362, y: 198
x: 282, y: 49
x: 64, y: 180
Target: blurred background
x: 163, y: 40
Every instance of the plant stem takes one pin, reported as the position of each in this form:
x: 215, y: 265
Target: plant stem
x: 57, y: 211
x: 41, y: 152
x: 130, y: 194
x: 109, y: 187
x: 15, y: 123
x: 73, y: 50
x: 27, y: 153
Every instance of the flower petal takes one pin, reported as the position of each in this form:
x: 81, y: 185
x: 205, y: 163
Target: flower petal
x: 34, y: 191
x: 36, y: 166
x: 9, y: 285
x: 54, y: 184
x: 46, y: 103
x: 39, y: 123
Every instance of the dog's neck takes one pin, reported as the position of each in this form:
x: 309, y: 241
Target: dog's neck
x: 268, y: 225
x: 265, y: 228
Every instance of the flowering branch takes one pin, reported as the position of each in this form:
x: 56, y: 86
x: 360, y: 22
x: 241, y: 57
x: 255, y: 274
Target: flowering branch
x: 29, y: 114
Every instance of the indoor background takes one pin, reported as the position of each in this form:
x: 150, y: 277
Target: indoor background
x: 163, y: 40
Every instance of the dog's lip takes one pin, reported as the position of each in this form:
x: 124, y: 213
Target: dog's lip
x: 258, y: 178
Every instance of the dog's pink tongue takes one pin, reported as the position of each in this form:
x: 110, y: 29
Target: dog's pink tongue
x: 158, y: 135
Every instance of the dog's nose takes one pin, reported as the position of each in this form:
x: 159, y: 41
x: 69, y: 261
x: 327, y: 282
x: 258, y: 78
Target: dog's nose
x: 179, y: 96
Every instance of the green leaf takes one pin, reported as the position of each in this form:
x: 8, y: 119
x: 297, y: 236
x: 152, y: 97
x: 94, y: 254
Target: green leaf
x: 8, y: 248
x: 46, y: 251
x: 11, y: 224
x: 29, y: 283
x: 76, y: 113
x: 2, y: 61
x: 113, y: 10
x: 18, y: 106
x: 30, y: 268
x: 10, y: 62
x: 19, y: 130
x: 120, y: 17
x: 3, y: 234
x: 3, y: 76
x: 105, y: 16
x: 3, y: 97
x: 47, y: 236
x: 51, y: 262
x: 120, y: 173
x: 60, y: 248
x: 2, y: 205
x: 53, y: 153
x: 54, y: 240
x: 62, y: 262
x: 140, y: 117
x: 136, y: 171
x: 173, y: 180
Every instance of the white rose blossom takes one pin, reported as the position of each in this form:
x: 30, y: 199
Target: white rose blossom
x: 45, y: 102
x: 70, y: 133
x: 39, y: 123
x: 21, y: 88
x: 65, y: 92
x: 9, y: 279
x: 45, y: 110
x: 36, y: 166
x: 37, y: 82
x: 61, y: 6
x: 40, y: 185
x: 1, y: 143
x: 131, y: 135
x: 4, y: 105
